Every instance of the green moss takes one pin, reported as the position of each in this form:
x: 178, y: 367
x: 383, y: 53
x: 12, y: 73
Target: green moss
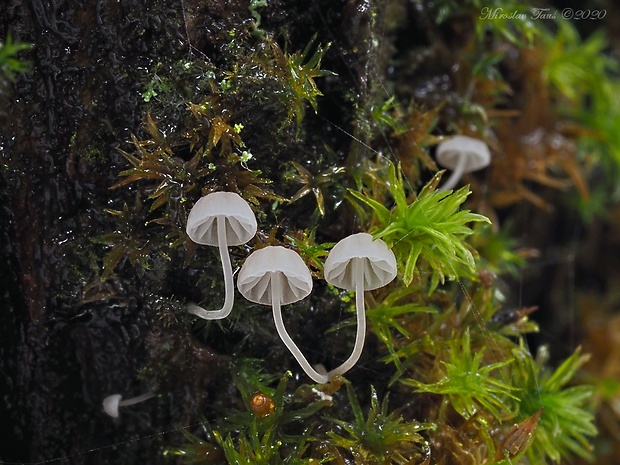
x: 383, y: 437
x: 10, y: 64
x: 467, y: 381
x: 429, y: 226
x: 567, y: 422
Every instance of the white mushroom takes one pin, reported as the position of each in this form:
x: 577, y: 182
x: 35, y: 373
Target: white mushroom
x: 462, y: 154
x: 220, y: 219
x: 113, y: 402
x: 359, y: 263
x: 277, y: 276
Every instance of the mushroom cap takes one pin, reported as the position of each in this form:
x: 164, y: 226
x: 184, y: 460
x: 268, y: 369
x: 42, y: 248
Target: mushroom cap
x: 221, y: 206
x: 476, y: 153
x: 111, y: 403
x: 378, y: 261
x: 254, y: 280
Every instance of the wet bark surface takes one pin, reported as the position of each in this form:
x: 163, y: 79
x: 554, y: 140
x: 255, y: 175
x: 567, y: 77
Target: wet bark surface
x: 66, y: 350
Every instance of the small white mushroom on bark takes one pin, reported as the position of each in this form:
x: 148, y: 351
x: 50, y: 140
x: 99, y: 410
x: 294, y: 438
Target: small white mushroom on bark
x: 112, y: 403
x: 359, y: 263
x: 220, y: 219
x: 278, y: 276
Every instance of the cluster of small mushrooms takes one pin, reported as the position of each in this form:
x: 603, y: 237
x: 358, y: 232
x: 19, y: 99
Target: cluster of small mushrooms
x: 277, y: 276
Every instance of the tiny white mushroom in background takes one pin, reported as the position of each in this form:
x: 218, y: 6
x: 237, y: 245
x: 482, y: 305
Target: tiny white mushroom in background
x: 462, y: 154
x: 113, y: 402
x: 278, y: 276
x: 359, y: 263
x: 220, y: 219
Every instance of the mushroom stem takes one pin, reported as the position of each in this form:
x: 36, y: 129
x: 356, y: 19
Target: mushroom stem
x: 358, y: 270
x: 456, y: 174
x: 228, y: 279
x: 276, y: 292
x: 136, y: 400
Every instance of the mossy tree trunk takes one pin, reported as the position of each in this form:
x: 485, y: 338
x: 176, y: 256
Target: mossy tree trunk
x: 68, y: 338
x: 132, y: 109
